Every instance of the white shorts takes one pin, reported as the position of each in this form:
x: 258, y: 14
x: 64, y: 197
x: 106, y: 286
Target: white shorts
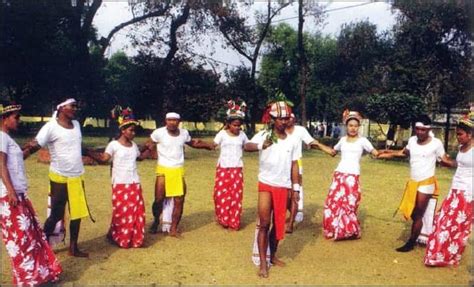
x: 427, y: 189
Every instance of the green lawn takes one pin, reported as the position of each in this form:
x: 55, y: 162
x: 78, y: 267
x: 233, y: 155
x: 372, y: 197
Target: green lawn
x: 208, y: 254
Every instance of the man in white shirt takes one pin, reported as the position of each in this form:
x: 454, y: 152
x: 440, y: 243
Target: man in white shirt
x: 423, y: 150
x: 300, y: 134
x: 62, y: 135
x: 278, y: 173
x: 169, y: 141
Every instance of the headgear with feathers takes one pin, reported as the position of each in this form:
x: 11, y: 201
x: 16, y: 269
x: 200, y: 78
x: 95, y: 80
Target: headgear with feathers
x: 127, y: 118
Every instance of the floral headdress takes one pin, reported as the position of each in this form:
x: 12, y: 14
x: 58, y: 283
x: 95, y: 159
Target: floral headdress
x: 9, y: 109
x: 127, y: 118
x: 236, y: 111
x: 467, y: 119
x: 349, y: 115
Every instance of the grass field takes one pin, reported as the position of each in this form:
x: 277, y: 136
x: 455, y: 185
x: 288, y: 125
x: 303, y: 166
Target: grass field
x: 208, y: 254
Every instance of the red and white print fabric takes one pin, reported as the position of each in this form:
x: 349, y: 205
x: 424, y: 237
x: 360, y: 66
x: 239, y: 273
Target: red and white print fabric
x: 452, y: 226
x: 228, y: 195
x: 340, y: 208
x: 127, y: 228
x: 33, y: 261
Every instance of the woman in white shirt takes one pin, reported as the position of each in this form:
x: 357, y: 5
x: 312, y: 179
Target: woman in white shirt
x: 33, y: 261
x: 127, y: 227
x: 229, y: 180
x: 341, y: 204
x: 452, y: 224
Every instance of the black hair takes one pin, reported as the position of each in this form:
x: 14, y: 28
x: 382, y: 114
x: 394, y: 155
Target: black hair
x: 352, y: 118
x: 465, y: 128
x: 424, y: 119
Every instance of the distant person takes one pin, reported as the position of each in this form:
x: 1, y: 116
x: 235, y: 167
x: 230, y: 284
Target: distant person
x: 321, y: 130
x: 115, y: 115
x: 452, y: 223
x: 336, y: 132
x: 32, y: 259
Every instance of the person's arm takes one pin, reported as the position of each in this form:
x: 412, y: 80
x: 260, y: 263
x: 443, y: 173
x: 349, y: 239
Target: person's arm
x: 388, y: 154
x: 324, y: 148
x: 103, y: 157
x: 144, y: 151
x: 295, y: 181
x: 199, y: 144
x: 448, y: 161
x: 5, y: 175
x: 252, y: 147
x: 30, y: 148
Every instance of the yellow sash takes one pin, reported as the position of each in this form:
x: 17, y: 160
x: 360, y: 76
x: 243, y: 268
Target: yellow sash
x: 75, y: 192
x: 173, y: 180
x: 409, y: 196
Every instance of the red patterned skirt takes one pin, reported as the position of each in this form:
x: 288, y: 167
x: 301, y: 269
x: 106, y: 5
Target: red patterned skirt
x: 127, y: 228
x: 33, y: 260
x: 228, y: 195
x: 452, y: 226
x: 340, y: 208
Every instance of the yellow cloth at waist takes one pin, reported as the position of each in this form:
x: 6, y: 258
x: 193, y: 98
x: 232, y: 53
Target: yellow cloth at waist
x: 174, y: 185
x: 75, y: 192
x: 409, y: 196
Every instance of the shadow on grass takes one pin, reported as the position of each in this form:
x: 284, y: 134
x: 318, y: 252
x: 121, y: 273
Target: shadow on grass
x: 100, y: 250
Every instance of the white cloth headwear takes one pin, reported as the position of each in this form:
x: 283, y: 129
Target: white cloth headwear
x: 172, y: 115
x: 65, y: 103
x: 422, y: 125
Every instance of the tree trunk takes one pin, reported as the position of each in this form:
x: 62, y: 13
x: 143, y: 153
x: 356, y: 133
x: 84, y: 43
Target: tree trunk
x: 303, y: 65
x: 447, y: 127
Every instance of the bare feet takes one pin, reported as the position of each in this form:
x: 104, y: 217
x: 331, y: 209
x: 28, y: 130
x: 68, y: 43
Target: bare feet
x: 277, y: 262
x: 174, y: 233
x: 289, y: 228
x: 77, y: 253
x: 263, y: 272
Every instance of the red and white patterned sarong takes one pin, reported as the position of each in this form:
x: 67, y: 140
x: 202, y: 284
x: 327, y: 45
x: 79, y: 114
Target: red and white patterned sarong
x: 33, y: 261
x: 340, y: 208
x: 228, y: 195
x: 127, y: 228
x: 450, y: 232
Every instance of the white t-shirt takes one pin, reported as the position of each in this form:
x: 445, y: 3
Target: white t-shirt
x: 462, y: 179
x: 275, y: 161
x: 301, y: 135
x: 124, y: 168
x: 351, y: 153
x: 231, y: 148
x: 170, y: 148
x: 15, y: 164
x: 423, y: 158
x: 64, y: 146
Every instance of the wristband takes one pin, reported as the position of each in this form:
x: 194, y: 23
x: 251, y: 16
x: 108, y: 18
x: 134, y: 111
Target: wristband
x: 260, y: 146
x: 296, y: 187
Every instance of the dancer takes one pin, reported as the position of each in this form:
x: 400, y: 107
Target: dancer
x: 452, y: 224
x: 423, y: 150
x: 278, y: 172
x: 170, y: 141
x: 229, y: 180
x: 127, y: 227
x: 342, y: 202
x: 33, y: 262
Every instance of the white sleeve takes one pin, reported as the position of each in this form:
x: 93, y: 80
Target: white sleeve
x: 137, y: 150
x: 338, y: 145
x: 258, y: 137
x: 43, y: 135
x: 155, y: 136
x: 305, y: 136
x: 296, y: 153
x: 367, y: 145
x: 187, y: 136
x: 245, y: 139
x: 218, y: 138
x: 440, y: 149
x: 110, y: 149
x: 410, y: 142
x: 3, y: 142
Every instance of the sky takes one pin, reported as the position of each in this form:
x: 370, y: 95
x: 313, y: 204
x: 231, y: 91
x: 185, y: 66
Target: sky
x: 113, y: 12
